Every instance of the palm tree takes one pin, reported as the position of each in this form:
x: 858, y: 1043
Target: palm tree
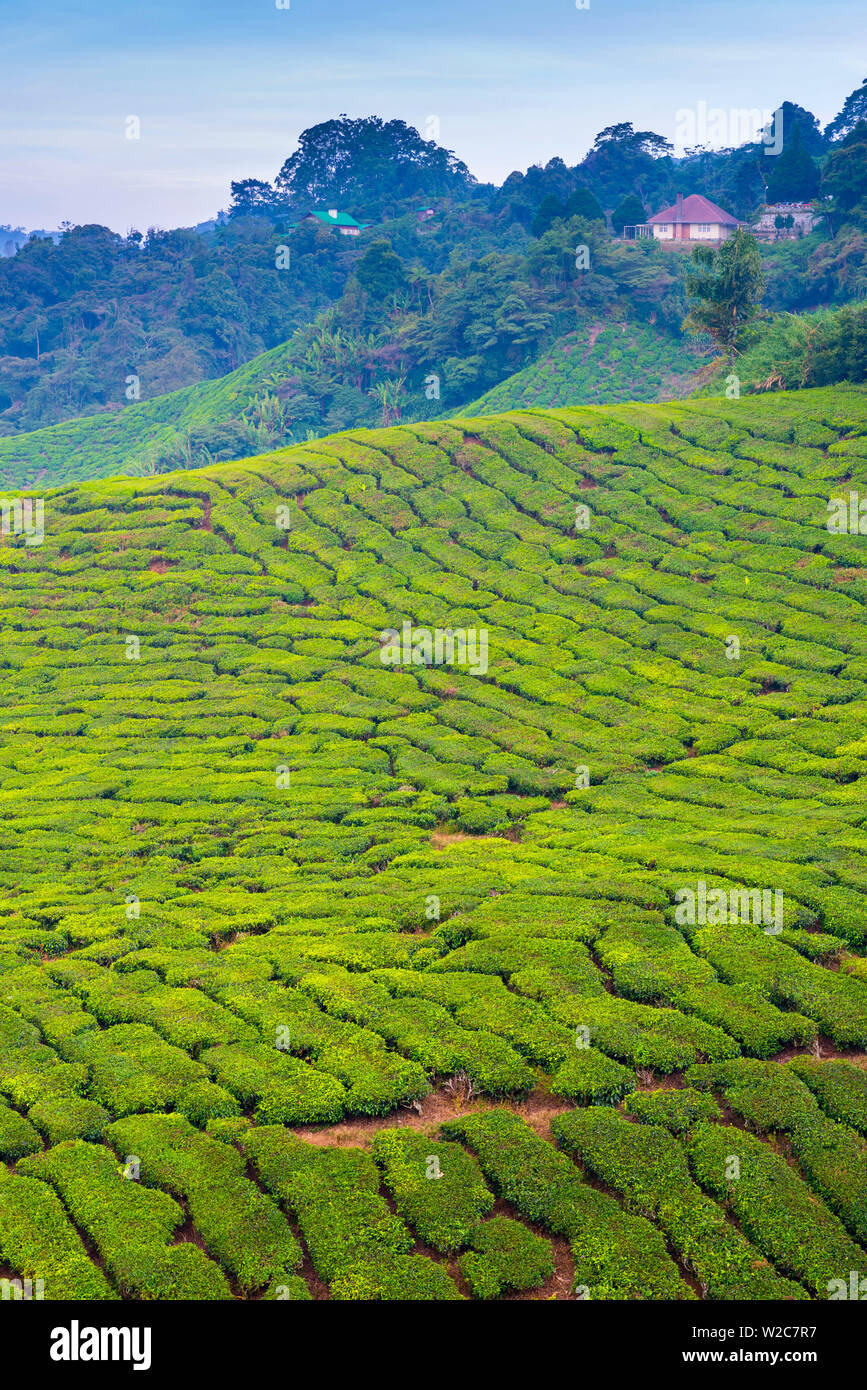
x: 389, y: 394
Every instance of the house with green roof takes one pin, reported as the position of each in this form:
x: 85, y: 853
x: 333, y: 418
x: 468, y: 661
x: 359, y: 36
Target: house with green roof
x: 343, y: 221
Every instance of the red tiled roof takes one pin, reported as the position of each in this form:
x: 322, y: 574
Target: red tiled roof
x: 695, y: 208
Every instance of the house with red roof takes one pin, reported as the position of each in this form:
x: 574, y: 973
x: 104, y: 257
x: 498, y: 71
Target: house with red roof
x: 688, y: 220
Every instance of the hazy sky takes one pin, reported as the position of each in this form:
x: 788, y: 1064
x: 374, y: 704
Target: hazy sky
x: 222, y: 88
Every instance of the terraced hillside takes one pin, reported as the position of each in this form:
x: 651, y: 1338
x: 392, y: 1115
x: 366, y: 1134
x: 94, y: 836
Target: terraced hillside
x: 537, y: 974
x: 98, y: 446
x: 601, y: 363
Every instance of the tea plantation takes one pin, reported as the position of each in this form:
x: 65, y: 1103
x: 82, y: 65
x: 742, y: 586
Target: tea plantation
x: 329, y: 970
x: 600, y: 362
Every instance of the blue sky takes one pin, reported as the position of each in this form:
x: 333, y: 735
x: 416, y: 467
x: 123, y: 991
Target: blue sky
x: 223, y: 88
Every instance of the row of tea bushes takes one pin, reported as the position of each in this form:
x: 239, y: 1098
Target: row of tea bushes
x: 648, y: 1168
x: 774, y: 1100
x: 241, y: 1226
x: 356, y: 1244
x: 616, y: 1255
x: 131, y: 1227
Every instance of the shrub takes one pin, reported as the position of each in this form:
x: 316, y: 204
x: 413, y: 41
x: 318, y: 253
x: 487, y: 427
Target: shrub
x: 430, y: 1036
x: 773, y: 1206
x: 677, y: 1110
x: 17, y: 1136
x: 70, y: 1117
x: 835, y: 1001
x: 38, y: 1241
x: 647, y: 1165
x: 590, y: 1077
x: 203, y: 1101
x: 438, y: 1188
x: 645, y: 1036
x: 130, y: 1226
x: 839, y: 1087
x: 395, y: 1277
x: 504, y: 1255
x: 240, y: 1225
x: 291, y: 1288
x: 228, y: 1131
x: 284, y: 1090
x: 616, y: 1255
x: 133, y: 1069
x: 334, y: 1195
x: 772, y: 1098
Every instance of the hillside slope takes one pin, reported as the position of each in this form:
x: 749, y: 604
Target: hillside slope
x: 258, y: 879
x: 96, y: 446
x: 600, y: 364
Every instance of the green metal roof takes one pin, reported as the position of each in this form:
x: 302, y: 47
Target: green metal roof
x: 340, y: 219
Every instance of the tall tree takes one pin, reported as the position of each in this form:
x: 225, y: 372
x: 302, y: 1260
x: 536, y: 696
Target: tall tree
x: 854, y: 110
x: 628, y: 213
x: 367, y: 161
x: 844, y: 177
x: 624, y: 160
x: 794, y: 175
x: 792, y: 120
x: 380, y: 272
x: 724, y: 286
x: 252, y: 198
x: 546, y: 215
x: 582, y: 203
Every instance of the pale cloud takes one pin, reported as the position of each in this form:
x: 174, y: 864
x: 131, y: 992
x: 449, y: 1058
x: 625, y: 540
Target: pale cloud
x: 225, y: 87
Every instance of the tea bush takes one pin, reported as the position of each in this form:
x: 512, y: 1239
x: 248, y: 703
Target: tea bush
x: 616, y: 1255
x: 38, y: 1241
x: 256, y: 878
x: 648, y: 1167
x: 130, y: 1226
x: 505, y: 1255
x: 437, y: 1187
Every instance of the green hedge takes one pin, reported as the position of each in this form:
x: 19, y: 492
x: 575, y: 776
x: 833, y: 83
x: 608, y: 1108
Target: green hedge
x: 334, y: 1195
x: 677, y: 1110
x: 17, y: 1136
x: 649, y: 1168
x: 130, y: 1226
x: 283, y: 1089
x: 504, y: 1255
x: 590, y: 1077
x: 772, y: 1098
x: 38, y: 1241
x: 395, y: 1278
x: 437, y: 1187
x: 617, y: 1256
x: 773, y: 1206
x: 240, y: 1226
x: 70, y: 1117
x: 839, y: 1087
